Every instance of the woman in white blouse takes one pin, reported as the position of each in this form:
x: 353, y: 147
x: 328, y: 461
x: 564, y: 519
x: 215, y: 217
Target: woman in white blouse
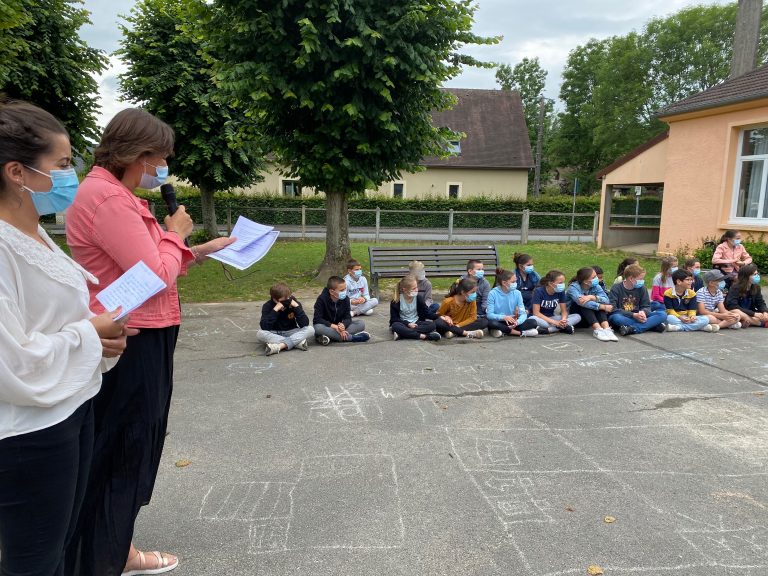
x: 51, y: 349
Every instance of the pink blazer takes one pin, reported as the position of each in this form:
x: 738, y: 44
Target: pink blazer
x: 109, y: 230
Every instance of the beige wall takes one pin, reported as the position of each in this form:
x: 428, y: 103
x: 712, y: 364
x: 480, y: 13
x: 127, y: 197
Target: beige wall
x: 511, y: 184
x: 699, y: 184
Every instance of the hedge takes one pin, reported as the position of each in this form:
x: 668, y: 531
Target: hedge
x: 286, y: 210
x: 756, y: 247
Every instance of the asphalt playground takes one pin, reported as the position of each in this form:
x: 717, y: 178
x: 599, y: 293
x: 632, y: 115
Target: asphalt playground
x: 544, y: 456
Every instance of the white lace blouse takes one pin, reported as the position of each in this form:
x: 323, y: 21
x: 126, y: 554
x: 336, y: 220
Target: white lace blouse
x: 50, y: 354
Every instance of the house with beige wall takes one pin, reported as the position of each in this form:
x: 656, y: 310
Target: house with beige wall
x: 492, y: 159
x: 713, y: 166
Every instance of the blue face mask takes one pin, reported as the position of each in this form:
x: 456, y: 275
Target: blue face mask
x: 148, y: 181
x: 673, y: 270
x: 736, y: 241
x: 721, y: 284
x: 342, y: 295
x: 62, y: 192
x: 697, y: 271
x: 513, y: 286
x: 357, y: 273
x: 560, y: 287
x: 639, y: 283
x: 528, y: 269
x: 472, y: 297
x: 595, y: 281
x: 756, y: 279
x: 479, y: 274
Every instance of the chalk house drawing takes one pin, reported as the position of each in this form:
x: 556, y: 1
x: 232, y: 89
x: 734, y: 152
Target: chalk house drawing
x: 343, y: 403
x: 340, y: 501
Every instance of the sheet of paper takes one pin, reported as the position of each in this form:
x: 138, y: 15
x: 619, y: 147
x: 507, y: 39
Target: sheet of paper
x: 246, y: 231
x: 131, y: 290
x: 248, y: 255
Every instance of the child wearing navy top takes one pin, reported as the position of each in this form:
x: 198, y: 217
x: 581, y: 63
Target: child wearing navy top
x: 549, y: 306
x: 527, y: 278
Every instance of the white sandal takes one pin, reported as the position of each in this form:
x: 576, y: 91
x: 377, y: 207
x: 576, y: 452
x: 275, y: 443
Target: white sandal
x: 162, y: 559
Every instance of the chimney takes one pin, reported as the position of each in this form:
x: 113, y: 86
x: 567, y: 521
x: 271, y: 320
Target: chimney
x: 746, y: 38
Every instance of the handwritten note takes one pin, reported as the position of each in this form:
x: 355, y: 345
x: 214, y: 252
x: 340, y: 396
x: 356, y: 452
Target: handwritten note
x: 131, y: 290
x: 253, y: 242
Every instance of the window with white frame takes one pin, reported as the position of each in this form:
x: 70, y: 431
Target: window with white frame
x: 291, y: 187
x: 398, y: 189
x: 454, y: 189
x: 750, y: 199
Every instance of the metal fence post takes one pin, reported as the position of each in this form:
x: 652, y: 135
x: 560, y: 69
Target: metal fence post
x: 303, y: 222
x: 595, y: 224
x: 450, y: 226
x: 378, y: 223
x: 524, y: 226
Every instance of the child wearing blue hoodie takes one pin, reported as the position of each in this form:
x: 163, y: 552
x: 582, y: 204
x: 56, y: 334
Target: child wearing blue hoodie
x: 586, y: 298
x: 506, y: 312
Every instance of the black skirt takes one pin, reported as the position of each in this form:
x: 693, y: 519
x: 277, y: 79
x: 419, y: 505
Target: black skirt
x: 131, y: 417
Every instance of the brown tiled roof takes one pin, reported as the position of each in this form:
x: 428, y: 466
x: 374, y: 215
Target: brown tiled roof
x: 496, y: 134
x: 750, y: 86
x: 634, y: 153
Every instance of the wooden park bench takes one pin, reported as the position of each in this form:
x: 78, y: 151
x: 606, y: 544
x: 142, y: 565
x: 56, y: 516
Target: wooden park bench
x: 439, y: 261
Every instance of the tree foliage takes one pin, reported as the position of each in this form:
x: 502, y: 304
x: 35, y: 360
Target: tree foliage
x: 43, y: 60
x: 168, y: 76
x: 612, y: 89
x: 342, y: 90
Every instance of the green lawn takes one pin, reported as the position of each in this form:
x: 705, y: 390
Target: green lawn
x: 293, y: 262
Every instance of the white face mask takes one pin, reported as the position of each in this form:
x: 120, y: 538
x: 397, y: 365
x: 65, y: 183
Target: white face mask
x: 413, y: 294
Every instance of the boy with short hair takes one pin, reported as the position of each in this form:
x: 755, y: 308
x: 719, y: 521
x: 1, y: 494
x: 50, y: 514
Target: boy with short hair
x: 476, y: 270
x: 631, y: 305
x: 710, y: 301
x: 284, y: 324
x: 360, y: 300
x: 333, y: 319
x: 680, y: 303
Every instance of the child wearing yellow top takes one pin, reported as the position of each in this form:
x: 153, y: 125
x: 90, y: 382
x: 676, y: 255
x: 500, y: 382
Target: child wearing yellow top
x: 457, y: 315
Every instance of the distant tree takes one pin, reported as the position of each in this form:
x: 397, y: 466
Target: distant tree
x: 44, y: 60
x: 343, y: 92
x: 169, y: 78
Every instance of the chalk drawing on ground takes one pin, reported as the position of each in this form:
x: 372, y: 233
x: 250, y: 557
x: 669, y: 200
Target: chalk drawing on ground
x: 350, y: 403
x: 193, y: 312
x: 250, y: 367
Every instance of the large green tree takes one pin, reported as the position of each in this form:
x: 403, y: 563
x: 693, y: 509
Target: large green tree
x: 44, y: 60
x: 168, y: 76
x: 342, y: 90
x: 612, y: 89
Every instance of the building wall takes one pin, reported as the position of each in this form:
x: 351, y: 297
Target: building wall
x: 512, y: 184
x: 699, y: 183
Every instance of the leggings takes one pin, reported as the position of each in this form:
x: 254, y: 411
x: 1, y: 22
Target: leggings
x: 589, y: 316
x: 443, y: 327
x: 528, y: 324
x: 404, y: 331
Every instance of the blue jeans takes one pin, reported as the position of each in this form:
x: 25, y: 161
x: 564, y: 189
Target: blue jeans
x: 653, y: 319
x: 697, y: 324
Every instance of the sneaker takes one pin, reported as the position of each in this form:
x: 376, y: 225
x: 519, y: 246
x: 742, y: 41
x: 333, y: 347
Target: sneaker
x: 368, y: 312
x: 541, y: 331
x: 449, y: 334
x: 475, y: 334
x: 530, y: 333
x: 434, y: 336
x: 361, y: 337
x: 302, y: 345
x: 567, y: 330
x: 673, y: 328
x: 735, y: 326
x: 626, y: 330
x: 601, y: 335
x: 660, y: 328
x: 323, y: 340
x: 395, y: 336
x: 611, y: 335
x: 271, y: 348
x: 711, y: 328
x: 496, y: 333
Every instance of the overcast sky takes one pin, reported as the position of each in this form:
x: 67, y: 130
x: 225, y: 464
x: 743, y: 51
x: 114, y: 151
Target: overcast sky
x: 545, y: 28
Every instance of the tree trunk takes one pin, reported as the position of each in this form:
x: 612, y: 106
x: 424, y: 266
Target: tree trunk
x: 337, y: 250
x: 209, y: 212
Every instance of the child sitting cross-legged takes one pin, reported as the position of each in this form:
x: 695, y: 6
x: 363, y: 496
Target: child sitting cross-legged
x: 710, y: 301
x: 506, y: 311
x: 409, y: 316
x: 360, y: 300
x: 550, y: 309
x: 416, y: 269
x: 746, y: 298
x: 631, y: 305
x: 457, y: 315
x: 587, y: 299
x: 284, y: 324
x: 680, y: 302
x: 333, y: 319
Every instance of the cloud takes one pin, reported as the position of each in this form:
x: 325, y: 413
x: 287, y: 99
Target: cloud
x: 109, y: 95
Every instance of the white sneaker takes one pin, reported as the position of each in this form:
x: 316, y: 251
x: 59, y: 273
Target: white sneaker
x: 475, y: 334
x: 368, y: 312
x: 711, y: 328
x: 601, y: 335
x: 395, y: 336
x: 272, y: 349
x: 531, y: 333
x: 611, y: 335
x: 303, y: 345
x: 496, y: 333
x: 735, y: 326
x: 673, y: 328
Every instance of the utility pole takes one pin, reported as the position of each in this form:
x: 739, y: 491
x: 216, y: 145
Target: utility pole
x: 747, y: 37
x: 539, y: 138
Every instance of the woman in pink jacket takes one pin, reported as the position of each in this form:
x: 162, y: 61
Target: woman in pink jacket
x: 109, y: 230
x: 730, y: 254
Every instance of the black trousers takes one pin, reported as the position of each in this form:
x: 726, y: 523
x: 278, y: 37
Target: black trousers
x: 43, y: 475
x: 443, y: 327
x: 501, y: 325
x: 404, y: 331
x: 589, y: 316
x: 131, y: 417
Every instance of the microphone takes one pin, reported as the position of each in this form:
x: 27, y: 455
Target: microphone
x: 169, y: 197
